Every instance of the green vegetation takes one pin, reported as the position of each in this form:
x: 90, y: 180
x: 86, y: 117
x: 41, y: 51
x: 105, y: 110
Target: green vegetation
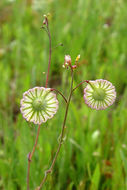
x: 94, y: 154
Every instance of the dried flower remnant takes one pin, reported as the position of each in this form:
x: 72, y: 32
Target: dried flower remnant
x: 38, y: 105
x: 99, y: 94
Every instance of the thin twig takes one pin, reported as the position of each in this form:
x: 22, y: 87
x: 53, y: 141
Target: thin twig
x: 50, y: 53
x: 30, y: 156
x: 53, y: 89
x: 61, y: 136
x: 80, y: 84
x: 36, y: 140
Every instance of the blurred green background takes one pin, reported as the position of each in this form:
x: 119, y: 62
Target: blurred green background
x: 94, y: 155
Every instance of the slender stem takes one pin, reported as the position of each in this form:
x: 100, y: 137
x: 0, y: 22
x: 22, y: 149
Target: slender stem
x: 28, y: 172
x: 61, y: 136
x: 80, y: 84
x: 36, y: 140
x: 50, y: 52
x: 30, y: 156
x: 53, y: 89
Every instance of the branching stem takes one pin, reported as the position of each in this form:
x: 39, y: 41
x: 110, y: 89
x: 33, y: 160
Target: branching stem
x: 61, y: 136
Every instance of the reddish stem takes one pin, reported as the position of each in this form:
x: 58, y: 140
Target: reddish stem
x: 53, y: 89
x: 36, y: 140
x: 30, y: 157
x: 80, y: 84
x: 50, y: 52
x: 61, y: 137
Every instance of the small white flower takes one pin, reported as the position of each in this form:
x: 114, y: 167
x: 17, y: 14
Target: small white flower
x: 38, y: 105
x: 67, y: 59
x: 99, y: 94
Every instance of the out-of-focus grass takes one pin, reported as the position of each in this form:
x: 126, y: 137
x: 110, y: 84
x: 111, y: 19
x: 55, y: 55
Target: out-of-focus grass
x: 94, y: 155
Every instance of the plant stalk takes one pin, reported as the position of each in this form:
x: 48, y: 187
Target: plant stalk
x: 36, y: 140
x: 30, y: 157
x: 61, y: 136
x: 50, y: 53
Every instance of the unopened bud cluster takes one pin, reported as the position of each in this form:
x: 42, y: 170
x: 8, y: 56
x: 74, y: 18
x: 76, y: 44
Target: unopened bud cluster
x: 68, y: 62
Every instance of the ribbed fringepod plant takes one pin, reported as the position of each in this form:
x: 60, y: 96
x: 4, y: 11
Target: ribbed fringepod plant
x: 40, y: 103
